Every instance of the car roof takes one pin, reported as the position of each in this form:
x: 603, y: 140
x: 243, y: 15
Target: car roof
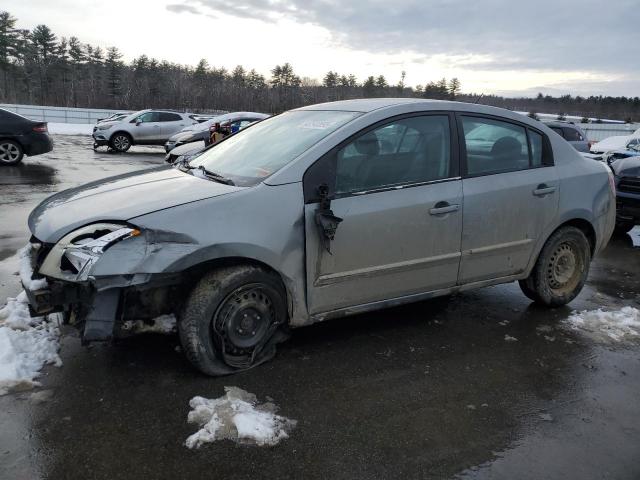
x: 368, y: 104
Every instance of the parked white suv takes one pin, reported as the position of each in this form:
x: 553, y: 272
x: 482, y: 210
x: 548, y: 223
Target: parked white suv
x: 145, y: 127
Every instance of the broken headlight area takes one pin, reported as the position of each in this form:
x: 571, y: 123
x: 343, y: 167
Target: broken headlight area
x: 73, y: 257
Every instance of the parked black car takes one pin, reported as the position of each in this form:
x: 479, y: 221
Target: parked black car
x: 20, y: 136
x: 627, y: 176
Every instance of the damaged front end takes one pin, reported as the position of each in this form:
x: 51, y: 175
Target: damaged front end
x: 101, y: 302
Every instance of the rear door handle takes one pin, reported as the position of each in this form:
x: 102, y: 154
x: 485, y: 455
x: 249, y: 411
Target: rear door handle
x: 543, y: 189
x: 442, y: 208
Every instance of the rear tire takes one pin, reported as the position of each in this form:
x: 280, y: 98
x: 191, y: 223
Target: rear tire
x: 11, y: 153
x: 233, y: 319
x: 120, y: 142
x: 561, y: 269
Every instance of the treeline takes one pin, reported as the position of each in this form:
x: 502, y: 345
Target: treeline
x: 37, y: 67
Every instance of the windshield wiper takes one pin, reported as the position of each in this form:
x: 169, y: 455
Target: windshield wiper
x: 184, y: 165
x: 215, y: 176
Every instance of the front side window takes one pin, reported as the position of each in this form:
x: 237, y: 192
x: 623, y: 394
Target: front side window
x: 494, y: 146
x: 255, y: 153
x: 407, y: 151
x: 148, y: 117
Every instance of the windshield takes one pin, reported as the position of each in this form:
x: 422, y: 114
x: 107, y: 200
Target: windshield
x: 255, y: 153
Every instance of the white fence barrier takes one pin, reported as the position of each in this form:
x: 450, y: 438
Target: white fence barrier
x: 59, y: 114
x: 599, y: 131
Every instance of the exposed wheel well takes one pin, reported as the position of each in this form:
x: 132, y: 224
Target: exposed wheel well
x: 13, y: 140
x: 586, y: 228
x: 194, y: 273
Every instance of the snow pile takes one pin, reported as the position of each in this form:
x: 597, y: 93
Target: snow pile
x: 236, y: 416
x: 26, y: 272
x: 614, y: 326
x: 70, y: 128
x: 26, y: 344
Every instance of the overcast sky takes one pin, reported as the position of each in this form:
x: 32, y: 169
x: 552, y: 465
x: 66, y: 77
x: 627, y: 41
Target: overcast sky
x: 510, y: 47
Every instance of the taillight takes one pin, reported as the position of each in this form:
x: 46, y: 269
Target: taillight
x: 42, y: 128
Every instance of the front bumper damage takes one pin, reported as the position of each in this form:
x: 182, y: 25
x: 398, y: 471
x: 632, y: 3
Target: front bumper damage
x: 100, y: 307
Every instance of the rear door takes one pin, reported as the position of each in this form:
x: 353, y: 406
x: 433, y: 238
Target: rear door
x: 397, y: 190
x: 171, y: 123
x: 510, y: 195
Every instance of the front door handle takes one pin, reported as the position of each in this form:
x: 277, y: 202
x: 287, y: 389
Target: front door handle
x: 442, y: 208
x: 543, y: 189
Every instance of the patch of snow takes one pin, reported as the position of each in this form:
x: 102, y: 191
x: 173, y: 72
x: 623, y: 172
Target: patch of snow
x: 26, y: 272
x: 509, y: 338
x: 26, y: 344
x: 70, y: 128
x: 617, y: 142
x: 237, y: 416
x: 617, y: 326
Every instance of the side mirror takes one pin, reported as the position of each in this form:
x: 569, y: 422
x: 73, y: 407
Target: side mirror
x: 138, y: 122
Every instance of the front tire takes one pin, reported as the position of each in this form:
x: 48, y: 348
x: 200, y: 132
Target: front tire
x: 11, y: 152
x: 561, y: 269
x: 233, y: 319
x: 120, y: 142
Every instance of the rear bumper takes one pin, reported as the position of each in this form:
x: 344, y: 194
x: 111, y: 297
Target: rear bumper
x: 36, y: 143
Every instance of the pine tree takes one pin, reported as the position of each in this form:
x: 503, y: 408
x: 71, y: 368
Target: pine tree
x: 9, y: 41
x: 113, y: 65
x: 331, y: 79
x: 454, y: 88
x: 369, y: 87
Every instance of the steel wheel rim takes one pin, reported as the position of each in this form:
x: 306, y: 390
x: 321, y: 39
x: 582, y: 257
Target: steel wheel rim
x: 121, y: 142
x: 9, y: 152
x: 565, y: 266
x: 243, y: 323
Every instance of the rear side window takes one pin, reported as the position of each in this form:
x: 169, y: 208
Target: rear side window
x: 169, y: 117
x: 537, y: 149
x: 494, y: 146
x: 572, y: 135
x: 403, y: 152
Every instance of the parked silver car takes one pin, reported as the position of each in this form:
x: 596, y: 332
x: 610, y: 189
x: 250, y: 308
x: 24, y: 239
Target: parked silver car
x: 321, y: 212
x: 200, y: 132
x: 145, y: 127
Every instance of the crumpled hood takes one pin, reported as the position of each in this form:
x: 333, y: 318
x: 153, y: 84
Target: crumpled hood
x: 627, y: 167
x: 119, y: 198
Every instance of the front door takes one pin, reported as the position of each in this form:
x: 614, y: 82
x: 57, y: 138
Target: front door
x: 511, y: 196
x: 148, y: 128
x: 396, y: 189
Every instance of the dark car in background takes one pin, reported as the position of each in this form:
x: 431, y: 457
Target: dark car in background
x: 20, y: 136
x: 200, y: 132
x: 627, y: 177
x: 572, y: 134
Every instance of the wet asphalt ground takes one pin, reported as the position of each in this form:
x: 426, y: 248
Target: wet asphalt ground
x: 430, y: 390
